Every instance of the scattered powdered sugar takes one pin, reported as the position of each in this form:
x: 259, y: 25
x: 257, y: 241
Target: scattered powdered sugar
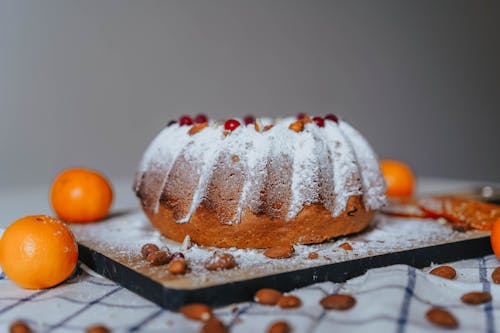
x: 329, y: 164
x: 122, y: 237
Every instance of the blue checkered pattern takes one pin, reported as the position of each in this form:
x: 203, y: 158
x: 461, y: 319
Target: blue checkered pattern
x: 389, y: 299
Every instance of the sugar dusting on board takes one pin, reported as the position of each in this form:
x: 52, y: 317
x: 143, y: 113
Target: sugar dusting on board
x: 121, y: 239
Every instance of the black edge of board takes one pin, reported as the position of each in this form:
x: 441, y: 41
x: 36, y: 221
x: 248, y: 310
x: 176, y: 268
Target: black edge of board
x: 241, y: 291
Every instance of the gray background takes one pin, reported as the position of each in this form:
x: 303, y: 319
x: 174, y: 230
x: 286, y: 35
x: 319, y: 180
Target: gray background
x: 91, y: 82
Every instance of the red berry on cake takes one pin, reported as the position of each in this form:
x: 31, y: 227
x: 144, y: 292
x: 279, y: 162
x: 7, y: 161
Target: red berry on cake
x: 231, y: 124
x: 332, y: 117
x: 185, y: 121
x: 319, y: 121
x: 200, y: 118
x: 301, y: 116
x: 177, y: 255
x: 249, y: 120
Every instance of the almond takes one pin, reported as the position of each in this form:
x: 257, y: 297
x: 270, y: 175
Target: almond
x: 197, y: 128
x: 346, y: 246
x: 197, y: 311
x: 442, y: 318
x: 219, y: 261
x: 306, y: 119
x: 268, y: 127
x: 476, y: 297
x: 297, y: 126
x: 147, y: 249
x: 214, y: 325
x: 177, y: 266
x: 267, y: 296
x: 280, y: 252
x: 289, y: 302
x: 313, y: 255
x: 158, y: 258
x: 279, y: 327
x: 98, y: 329
x: 257, y: 125
x: 19, y: 327
x: 446, y: 272
x: 338, y: 302
x: 495, y: 275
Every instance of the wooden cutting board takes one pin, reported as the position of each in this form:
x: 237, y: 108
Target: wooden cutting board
x: 112, y: 249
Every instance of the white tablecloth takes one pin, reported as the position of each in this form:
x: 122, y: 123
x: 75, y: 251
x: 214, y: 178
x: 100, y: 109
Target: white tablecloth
x: 389, y: 299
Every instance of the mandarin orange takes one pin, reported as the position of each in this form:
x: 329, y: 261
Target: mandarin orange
x: 495, y: 238
x: 38, y: 252
x: 81, y: 195
x: 398, y: 177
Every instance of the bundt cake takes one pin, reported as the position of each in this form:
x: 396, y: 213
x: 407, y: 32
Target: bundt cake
x: 259, y: 183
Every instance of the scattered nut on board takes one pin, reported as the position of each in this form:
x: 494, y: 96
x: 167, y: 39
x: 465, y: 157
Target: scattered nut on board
x: 98, y: 329
x: 214, y: 325
x: 313, y: 255
x: 177, y: 266
x: 280, y: 252
x: 445, y: 271
x: 197, y: 311
x: 495, y: 275
x: 279, y: 327
x: 19, y: 327
x: 289, y: 302
x: 219, y: 261
x: 338, y: 302
x: 186, y: 243
x: 147, y: 249
x: 158, y: 258
x: 476, y: 297
x: 267, y: 296
x: 442, y: 318
x: 346, y: 246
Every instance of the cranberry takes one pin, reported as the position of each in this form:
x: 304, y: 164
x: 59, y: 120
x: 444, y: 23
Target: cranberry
x: 319, y: 121
x: 332, y: 117
x: 231, y: 124
x: 177, y: 255
x: 301, y: 116
x: 171, y: 122
x: 185, y: 120
x: 201, y: 118
x: 249, y: 120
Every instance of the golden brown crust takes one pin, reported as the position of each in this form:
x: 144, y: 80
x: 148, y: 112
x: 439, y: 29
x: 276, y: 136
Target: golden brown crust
x: 314, y: 224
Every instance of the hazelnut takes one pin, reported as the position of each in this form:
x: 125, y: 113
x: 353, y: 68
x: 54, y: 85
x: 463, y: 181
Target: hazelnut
x: 158, y: 258
x: 177, y: 266
x: 19, y: 327
x: 147, y: 249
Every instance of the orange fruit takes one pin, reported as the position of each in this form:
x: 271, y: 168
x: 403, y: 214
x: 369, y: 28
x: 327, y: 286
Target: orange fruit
x: 81, y: 195
x: 495, y: 238
x: 398, y: 177
x: 38, y: 252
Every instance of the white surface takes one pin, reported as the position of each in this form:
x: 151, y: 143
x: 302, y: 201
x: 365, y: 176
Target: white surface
x: 18, y: 202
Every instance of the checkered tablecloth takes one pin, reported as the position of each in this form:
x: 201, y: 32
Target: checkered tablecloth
x: 389, y: 299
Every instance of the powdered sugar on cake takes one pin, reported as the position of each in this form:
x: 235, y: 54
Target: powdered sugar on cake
x: 328, y: 165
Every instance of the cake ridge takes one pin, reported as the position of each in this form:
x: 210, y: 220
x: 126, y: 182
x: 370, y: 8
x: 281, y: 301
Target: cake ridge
x: 349, y: 168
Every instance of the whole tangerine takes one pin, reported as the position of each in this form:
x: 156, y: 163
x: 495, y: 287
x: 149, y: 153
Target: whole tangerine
x: 495, y: 238
x: 81, y: 195
x: 398, y: 177
x: 38, y: 252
